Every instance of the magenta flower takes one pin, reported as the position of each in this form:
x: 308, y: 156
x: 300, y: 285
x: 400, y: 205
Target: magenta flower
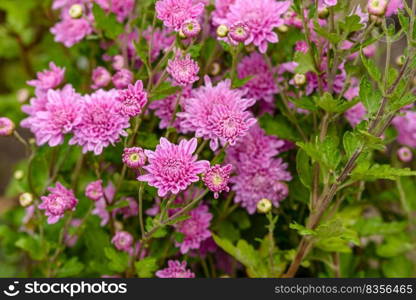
x: 302, y: 46
x: 174, y: 13
x: 219, y: 15
x: 58, y: 202
x: 121, y: 8
x: 100, y: 77
x: 261, y: 17
x: 118, y: 62
x: 161, y: 40
x: 172, y: 168
x: 239, y: 32
x: 100, y: 209
x: 71, y: 31
x: 190, y: 28
x: 6, y: 126
x: 123, y: 241
x: 251, y: 186
x: 216, y: 179
x: 175, y: 269
x: 122, y: 78
x: 183, y: 70
x: 48, y: 79
x: 134, y: 157
x: 101, y: 122
x: 195, y: 229
x: 217, y: 113
x: 132, y: 99
x: 406, y: 127
x: 405, y: 154
x: 60, y: 116
x: 262, y: 86
x: 94, y: 190
x: 129, y: 211
x: 393, y: 7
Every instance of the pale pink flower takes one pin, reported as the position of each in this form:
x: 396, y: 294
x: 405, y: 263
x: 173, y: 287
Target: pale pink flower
x: 132, y: 99
x: 6, y: 126
x: 48, y: 79
x: 183, y: 70
x: 100, y: 77
x: 134, y: 157
x: 94, y: 190
x: 175, y: 269
x: 216, y: 179
x: 71, y: 31
x: 174, y: 13
x: 123, y: 241
x: 122, y: 78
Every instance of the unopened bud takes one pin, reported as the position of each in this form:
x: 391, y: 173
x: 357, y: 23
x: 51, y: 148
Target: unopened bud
x: 264, y: 206
x: 26, y: 199
x: 239, y: 32
x: 222, y: 30
x: 215, y: 69
x: 299, y: 79
x: 400, y: 60
x: 6, y: 127
x: 377, y: 7
x: 76, y: 11
x: 405, y: 154
x: 18, y: 174
x: 283, y: 28
x: 190, y: 28
x: 323, y: 13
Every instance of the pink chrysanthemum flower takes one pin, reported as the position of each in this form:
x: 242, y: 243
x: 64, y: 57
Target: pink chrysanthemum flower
x: 101, y: 123
x: 172, y: 168
x: 6, y: 126
x: 261, y: 17
x: 122, y: 78
x: 251, y: 186
x: 195, y: 229
x: 60, y: 116
x: 219, y: 15
x: 129, y: 211
x: 71, y: 31
x: 406, y: 127
x: 216, y: 179
x: 301, y: 46
x: 393, y: 7
x: 100, y: 208
x: 161, y: 40
x: 183, y: 70
x: 48, y: 79
x: 134, y: 157
x: 190, y: 28
x: 132, y: 99
x: 58, y: 202
x: 175, y: 269
x: 121, y: 8
x: 100, y: 77
x: 239, y: 32
x: 94, y: 190
x: 174, y: 13
x: 217, y: 113
x: 123, y: 241
x: 405, y: 154
x: 262, y: 86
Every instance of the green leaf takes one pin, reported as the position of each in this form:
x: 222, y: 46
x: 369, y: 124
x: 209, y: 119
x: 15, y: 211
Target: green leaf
x: 333, y: 236
x: 304, y: 102
x: 119, y: 204
x: 70, y: 268
x: 397, y: 267
x: 107, y: 22
x: 330, y: 36
x: 146, y: 267
x: 228, y: 231
x: 279, y: 126
x: 371, y: 67
x: 142, y: 51
x: 118, y: 261
x: 351, y: 142
x: 38, y: 249
x: 368, y: 96
x: 394, y: 245
x: 195, y: 50
x: 351, y: 24
x: 396, y: 103
x: 377, y: 171
x: 376, y: 226
x: 163, y: 90
x: 161, y: 232
x: 239, y: 82
x: 305, y: 62
x: 304, y: 168
x: 302, y: 230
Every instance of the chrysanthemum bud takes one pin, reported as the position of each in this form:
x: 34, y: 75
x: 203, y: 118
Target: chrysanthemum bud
x: 134, y: 157
x: 76, y: 11
x: 323, y: 13
x: 215, y: 69
x: 118, y: 62
x: 18, y: 174
x: 26, y: 199
x: 283, y: 28
x: 22, y: 95
x: 405, y: 154
x: 6, y: 127
x: 377, y: 7
x: 239, y: 32
x: 191, y: 28
x: 299, y: 79
x: 181, y: 34
x: 376, y: 19
x: 400, y: 60
x: 264, y: 206
x: 222, y: 30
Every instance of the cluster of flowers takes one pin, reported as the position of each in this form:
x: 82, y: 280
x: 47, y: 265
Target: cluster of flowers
x: 214, y: 112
